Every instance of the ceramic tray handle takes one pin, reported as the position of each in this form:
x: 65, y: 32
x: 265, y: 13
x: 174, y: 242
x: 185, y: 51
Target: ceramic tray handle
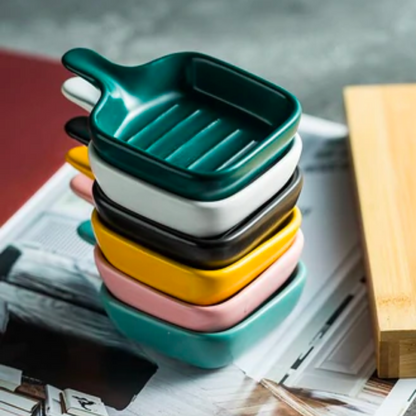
x: 81, y: 185
x: 85, y: 231
x: 92, y: 67
x: 78, y: 158
x: 77, y: 128
x: 89, y: 97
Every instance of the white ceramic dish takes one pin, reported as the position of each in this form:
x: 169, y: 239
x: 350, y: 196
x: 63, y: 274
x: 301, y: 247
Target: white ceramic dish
x: 197, y: 218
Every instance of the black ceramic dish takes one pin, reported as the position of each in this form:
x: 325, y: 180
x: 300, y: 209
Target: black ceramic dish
x: 202, y: 253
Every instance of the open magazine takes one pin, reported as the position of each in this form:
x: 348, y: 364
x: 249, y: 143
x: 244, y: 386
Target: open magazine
x: 61, y: 355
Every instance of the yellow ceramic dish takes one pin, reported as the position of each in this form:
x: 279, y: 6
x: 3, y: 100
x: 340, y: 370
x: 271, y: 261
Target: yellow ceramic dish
x: 201, y: 287
x: 78, y: 158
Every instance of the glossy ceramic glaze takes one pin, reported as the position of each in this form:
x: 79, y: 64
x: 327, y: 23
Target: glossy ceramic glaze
x: 206, y: 350
x: 201, y: 287
x: 81, y: 93
x: 201, y: 318
x: 86, y: 232
x: 196, y: 218
x: 208, y: 126
x: 78, y: 158
x: 81, y: 186
x: 203, y: 253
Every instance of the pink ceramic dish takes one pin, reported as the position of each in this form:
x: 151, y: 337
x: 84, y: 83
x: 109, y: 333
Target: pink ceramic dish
x: 81, y: 186
x: 201, y: 318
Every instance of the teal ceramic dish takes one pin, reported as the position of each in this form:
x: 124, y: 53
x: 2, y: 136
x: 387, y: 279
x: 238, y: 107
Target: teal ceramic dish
x: 206, y: 350
x: 188, y: 123
x: 85, y: 231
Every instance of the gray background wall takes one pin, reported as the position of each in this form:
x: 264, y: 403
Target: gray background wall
x: 312, y: 47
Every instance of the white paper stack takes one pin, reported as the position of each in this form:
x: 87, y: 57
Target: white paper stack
x: 15, y: 404
x: 10, y: 378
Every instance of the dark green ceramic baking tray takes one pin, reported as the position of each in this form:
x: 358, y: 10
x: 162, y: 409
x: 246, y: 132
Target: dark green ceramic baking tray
x: 187, y: 122
x: 206, y: 350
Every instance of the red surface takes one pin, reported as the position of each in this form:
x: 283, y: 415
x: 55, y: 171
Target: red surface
x: 33, y: 113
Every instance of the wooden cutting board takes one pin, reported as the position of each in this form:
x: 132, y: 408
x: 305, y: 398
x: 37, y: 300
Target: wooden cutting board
x: 382, y: 124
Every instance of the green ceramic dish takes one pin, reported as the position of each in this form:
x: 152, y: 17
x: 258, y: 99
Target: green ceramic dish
x: 206, y: 350
x: 85, y: 231
x: 187, y: 122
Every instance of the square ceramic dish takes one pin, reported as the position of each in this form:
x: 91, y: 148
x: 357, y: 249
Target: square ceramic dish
x: 201, y: 318
x: 201, y: 287
x: 196, y: 218
x: 201, y: 217
x: 206, y: 350
x: 203, y: 253
x: 188, y: 123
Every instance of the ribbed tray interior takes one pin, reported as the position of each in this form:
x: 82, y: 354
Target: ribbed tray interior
x: 196, y: 134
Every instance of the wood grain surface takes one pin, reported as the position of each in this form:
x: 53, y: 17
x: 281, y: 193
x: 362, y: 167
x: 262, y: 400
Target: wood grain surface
x: 382, y: 123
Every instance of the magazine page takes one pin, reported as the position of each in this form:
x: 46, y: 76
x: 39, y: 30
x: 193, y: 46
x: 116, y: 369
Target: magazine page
x: 60, y: 353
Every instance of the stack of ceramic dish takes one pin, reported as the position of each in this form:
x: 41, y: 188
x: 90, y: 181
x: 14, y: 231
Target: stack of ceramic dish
x: 196, y: 183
